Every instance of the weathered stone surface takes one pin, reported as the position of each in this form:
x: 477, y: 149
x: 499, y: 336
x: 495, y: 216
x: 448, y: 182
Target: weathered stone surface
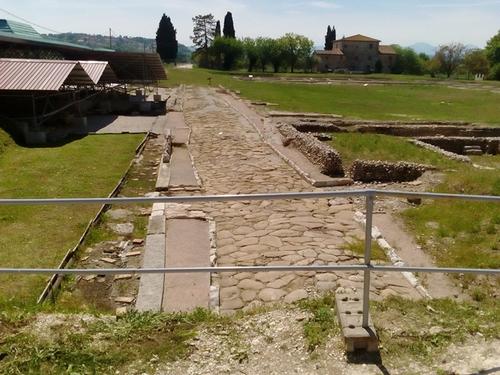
x: 248, y: 295
x: 229, y: 292
x: 271, y: 295
x: 281, y: 283
x: 295, y: 296
x: 383, y: 171
x: 250, y: 284
x: 123, y: 229
x: 326, y: 285
x: 326, y: 277
x: 271, y: 241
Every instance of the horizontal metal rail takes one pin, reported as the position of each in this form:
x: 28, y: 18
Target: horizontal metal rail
x: 249, y: 197
x: 324, y: 268
x: 367, y: 267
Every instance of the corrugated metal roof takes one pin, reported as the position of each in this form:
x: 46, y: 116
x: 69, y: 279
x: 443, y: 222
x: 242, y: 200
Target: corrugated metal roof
x: 21, y: 33
x: 99, y: 71
x: 41, y: 75
x: 18, y: 28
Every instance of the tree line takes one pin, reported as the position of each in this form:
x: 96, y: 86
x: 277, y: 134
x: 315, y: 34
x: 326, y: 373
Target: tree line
x: 218, y: 48
x: 226, y: 52
x: 452, y: 59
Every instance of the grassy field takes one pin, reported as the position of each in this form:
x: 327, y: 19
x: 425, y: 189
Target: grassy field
x: 39, y: 236
x: 382, y: 102
x: 461, y: 233
x: 384, y: 147
x: 456, y: 233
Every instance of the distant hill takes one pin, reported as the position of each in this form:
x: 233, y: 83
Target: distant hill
x: 120, y: 43
x: 424, y: 48
x: 430, y: 50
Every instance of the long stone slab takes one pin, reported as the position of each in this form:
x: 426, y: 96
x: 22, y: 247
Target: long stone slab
x: 181, y: 169
x: 180, y: 136
x: 187, y: 244
x: 150, y: 294
x: 175, y: 120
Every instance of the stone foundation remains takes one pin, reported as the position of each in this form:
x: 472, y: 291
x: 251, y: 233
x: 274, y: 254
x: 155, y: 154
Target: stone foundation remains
x: 318, y: 153
x: 382, y: 171
x: 458, y: 145
x: 401, y: 129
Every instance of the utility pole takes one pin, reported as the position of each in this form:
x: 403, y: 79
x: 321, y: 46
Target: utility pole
x: 110, y: 38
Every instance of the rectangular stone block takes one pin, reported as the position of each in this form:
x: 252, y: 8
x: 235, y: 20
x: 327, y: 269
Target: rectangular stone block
x: 156, y: 224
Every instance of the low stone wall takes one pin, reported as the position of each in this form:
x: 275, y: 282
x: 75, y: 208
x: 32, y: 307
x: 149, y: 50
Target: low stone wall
x: 410, y: 129
x: 320, y: 154
x: 448, y: 154
x: 457, y: 144
x: 382, y: 171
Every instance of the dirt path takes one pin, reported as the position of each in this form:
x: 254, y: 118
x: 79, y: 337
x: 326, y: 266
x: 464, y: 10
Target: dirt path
x: 437, y: 284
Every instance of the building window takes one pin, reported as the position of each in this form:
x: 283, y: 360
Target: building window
x: 370, y: 46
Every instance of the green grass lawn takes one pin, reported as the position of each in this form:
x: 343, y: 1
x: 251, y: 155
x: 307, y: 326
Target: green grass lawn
x: 381, y: 102
x: 39, y: 236
x: 456, y: 233
x: 461, y: 233
x: 352, y: 146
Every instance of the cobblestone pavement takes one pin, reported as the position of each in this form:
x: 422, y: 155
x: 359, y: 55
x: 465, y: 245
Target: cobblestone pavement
x: 231, y: 158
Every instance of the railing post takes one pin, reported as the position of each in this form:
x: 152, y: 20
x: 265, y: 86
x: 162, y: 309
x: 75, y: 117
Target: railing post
x: 368, y: 255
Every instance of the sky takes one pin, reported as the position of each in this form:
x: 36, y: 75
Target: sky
x: 403, y: 22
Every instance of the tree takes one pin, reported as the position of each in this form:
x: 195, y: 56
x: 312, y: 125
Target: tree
x: 227, y: 51
x: 203, y: 31
x: 228, y: 30
x: 217, y: 32
x: 296, y: 47
x: 166, y: 41
x: 277, y: 54
x: 330, y: 37
x: 264, y: 48
x: 492, y: 49
x: 328, y: 41
x: 251, y: 52
x: 407, y: 61
x: 450, y: 57
x: 476, y: 62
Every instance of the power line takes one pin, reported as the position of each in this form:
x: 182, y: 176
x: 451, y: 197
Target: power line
x: 31, y: 23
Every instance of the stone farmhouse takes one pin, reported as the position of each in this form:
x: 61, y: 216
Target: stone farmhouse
x: 356, y: 53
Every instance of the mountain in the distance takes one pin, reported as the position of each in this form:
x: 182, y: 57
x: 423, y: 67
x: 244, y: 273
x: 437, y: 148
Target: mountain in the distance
x: 426, y: 48
x: 430, y: 50
x: 120, y: 43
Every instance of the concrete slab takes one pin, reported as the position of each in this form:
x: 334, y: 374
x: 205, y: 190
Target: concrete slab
x: 112, y: 124
x: 150, y: 294
x: 350, y: 314
x: 180, y: 136
x: 181, y: 169
x: 187, y: 244
x: 163, y: 177
x: 156, y: 224
x: 175, y: 120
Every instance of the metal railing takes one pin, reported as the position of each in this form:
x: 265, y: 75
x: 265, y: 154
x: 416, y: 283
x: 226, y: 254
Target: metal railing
x: 367, y: 267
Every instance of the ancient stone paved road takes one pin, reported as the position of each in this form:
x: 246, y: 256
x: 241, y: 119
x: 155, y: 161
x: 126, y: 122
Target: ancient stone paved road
x: 231, y: 158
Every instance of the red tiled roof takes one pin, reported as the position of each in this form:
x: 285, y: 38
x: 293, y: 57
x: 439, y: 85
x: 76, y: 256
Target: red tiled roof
x: 386, y: 50
x: 334, y: 51
x: 360, y: 38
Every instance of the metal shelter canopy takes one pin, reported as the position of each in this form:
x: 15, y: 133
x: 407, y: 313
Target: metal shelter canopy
x: 99, y: 71
x: 41, y: 75
x: 129, y: 67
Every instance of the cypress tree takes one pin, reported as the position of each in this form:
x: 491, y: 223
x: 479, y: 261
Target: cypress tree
x: 228, y: 30
x: 217, y: 30
x: 166, y: 40
x: 327, y: 38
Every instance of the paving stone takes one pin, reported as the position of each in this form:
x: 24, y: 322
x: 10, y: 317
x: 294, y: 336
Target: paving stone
x: 295, y: 296
x: 267, y: 277
x: 271, y: 241
x: 248, y: 295
x: 326, y: 285
x: 281, y: 283
x: 271, y: 294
